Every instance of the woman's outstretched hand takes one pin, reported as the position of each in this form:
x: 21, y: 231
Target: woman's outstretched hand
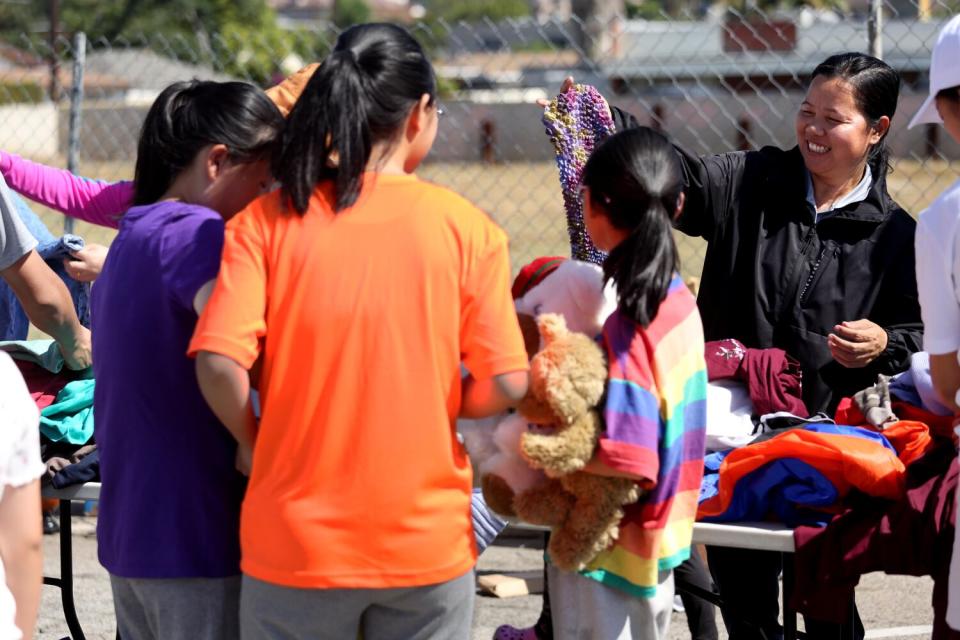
x: 564, y: 87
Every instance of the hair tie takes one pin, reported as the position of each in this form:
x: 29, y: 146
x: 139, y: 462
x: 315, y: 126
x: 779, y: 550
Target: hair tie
x: 576, y: 122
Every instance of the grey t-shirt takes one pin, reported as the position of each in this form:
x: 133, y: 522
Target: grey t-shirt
x: 15, y: 240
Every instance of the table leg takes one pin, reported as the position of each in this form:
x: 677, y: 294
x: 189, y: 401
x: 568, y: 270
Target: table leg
x: 66, y: 572
x: 789, y: 615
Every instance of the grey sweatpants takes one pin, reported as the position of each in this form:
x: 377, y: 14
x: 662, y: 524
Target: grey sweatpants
x: 435, y: 612
x: 177, y: 609
x: 584, y: 609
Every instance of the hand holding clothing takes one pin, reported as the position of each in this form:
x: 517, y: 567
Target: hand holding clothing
x: 857, y: 343
x: 86, y: 264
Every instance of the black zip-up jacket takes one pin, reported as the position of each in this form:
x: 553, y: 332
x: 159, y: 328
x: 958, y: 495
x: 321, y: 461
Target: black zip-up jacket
x: 774, y: 278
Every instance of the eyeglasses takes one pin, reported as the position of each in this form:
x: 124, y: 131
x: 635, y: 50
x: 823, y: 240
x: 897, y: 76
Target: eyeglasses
x: 440, y: 110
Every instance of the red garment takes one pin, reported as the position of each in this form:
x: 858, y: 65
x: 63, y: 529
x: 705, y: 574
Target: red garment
x: 43, y: 385
x: 940, y: 426
x: 911, y: 536
x: 533, y: 274
x: 773, y: 378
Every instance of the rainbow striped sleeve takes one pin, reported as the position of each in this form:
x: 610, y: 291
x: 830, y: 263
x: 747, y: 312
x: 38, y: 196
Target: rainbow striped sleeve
x: 655, y: 416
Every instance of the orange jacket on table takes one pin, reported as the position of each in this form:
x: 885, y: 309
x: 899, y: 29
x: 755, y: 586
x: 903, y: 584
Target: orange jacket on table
x: 358, y: 478
x: 846, y: 462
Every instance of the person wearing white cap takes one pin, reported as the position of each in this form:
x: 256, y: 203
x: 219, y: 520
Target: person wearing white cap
x: 938, y: 264
x: 938, y: 230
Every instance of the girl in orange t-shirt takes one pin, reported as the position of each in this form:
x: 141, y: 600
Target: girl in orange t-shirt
x: 364, y: 289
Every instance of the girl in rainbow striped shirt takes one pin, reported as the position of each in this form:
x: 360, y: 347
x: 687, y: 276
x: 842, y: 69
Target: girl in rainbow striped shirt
x: 655, y: 408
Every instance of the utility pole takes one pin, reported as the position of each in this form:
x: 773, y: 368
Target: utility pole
x: 54, y: 56
x: 599, y: 23
x: 875, y: 29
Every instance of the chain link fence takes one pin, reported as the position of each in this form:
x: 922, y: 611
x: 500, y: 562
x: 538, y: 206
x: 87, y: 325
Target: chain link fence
x: 716, y: 81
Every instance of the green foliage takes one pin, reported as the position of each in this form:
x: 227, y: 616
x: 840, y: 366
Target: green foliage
x: 350, y: 12
x: 239, y: 37
x: 475, y: 10
x: 646, y: 10
x: 20, y: 92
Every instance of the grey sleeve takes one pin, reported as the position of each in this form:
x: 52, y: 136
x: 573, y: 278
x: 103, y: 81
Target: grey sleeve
x: 15, y: 240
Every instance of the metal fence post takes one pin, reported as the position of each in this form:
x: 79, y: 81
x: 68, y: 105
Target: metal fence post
x: 875, y: 29
x: 76, y: 106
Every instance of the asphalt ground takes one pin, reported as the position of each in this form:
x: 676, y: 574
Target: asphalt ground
x: 894, y: 607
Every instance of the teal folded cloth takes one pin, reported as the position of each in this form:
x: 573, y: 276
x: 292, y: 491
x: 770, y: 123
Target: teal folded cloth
x: 42, y: 352
x: 70, y: 417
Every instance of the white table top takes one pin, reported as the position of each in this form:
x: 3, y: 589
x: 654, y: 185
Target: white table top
x: 88, y: 491
x: 763, y: 536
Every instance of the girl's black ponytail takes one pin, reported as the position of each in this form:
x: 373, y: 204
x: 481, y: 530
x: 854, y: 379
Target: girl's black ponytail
x: 359, y: 97
x: 323, y: 142
x: 188, y: 116
x: 636, y: 179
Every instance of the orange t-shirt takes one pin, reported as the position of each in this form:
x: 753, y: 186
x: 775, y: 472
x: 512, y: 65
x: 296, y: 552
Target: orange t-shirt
x: 358, y: 478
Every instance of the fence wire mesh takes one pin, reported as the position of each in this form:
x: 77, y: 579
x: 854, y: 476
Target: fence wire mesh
x: 714, y: 82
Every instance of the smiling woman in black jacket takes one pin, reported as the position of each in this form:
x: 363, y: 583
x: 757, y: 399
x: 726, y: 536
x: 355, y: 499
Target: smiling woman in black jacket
x: 807, y: 252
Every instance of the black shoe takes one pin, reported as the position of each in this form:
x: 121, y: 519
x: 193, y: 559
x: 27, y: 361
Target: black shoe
x: 50, y: 525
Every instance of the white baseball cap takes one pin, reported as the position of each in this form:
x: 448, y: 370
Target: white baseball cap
x: 944, y: 72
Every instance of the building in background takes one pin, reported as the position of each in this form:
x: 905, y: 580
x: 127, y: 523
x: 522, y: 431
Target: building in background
x: 293, y: 14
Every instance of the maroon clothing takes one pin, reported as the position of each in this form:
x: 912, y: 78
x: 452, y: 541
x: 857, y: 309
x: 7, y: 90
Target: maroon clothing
x: 911, y: 536
x: 773, y: 378
x: 43, y: 385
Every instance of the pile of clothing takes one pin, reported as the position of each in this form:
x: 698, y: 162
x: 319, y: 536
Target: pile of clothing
x: 768, y: 459
x: 65, y: 400
x: 873, y: 489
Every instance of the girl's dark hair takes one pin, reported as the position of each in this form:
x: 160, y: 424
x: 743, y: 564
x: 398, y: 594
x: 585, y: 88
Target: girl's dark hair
x: 950, y: 93
x: 876, y: 89
x: 359, y: 97
x: 635, y: 177
x: 188, y: 116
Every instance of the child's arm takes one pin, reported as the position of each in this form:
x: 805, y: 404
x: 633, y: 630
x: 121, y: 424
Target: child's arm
x: 21, y: 534
x: 490, y: 396
x: 47, y: 303
x: 945, y: 372
x: 94, y: 201
x: 492, y: 347
x: 225, y: 385
x: 21, y: 545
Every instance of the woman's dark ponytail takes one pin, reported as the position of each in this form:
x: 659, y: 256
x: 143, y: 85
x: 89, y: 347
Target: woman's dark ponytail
x: 636, y: 179
x: 359, y: 97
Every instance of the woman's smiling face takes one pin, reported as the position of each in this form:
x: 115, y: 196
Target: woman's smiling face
x: 834, y: 136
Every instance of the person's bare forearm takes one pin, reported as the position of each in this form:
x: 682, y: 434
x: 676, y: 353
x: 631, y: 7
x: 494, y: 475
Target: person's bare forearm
x: 226, y: 387
x: 945, y: 373
x: 48, y: 305
x: 490, y: 396
x: 21, y: 547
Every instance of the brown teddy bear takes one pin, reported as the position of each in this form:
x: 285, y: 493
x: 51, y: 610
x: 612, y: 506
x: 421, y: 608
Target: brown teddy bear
x: 567, y: 379
x: 577, y: 292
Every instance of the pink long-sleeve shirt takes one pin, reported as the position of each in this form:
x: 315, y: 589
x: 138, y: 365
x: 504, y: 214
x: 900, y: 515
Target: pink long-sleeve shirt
x: 95, y: 201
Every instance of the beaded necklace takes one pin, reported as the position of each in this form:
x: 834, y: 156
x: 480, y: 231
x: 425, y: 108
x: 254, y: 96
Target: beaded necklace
x: 577, y: 121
